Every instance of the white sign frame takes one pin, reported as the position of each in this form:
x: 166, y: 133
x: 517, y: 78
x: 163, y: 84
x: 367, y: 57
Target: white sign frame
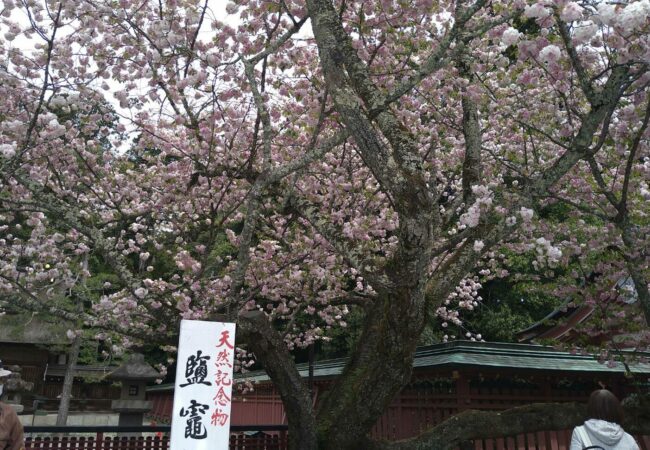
x: 203, y: 387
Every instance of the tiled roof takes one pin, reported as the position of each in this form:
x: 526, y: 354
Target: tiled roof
x: 515, y: 356
x: 135, y: 368
x: 560, y: 323
x: 58, y: 370
x: 472, y: 354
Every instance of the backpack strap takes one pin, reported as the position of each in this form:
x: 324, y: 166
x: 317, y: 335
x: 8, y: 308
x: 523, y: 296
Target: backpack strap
x: 584, y: 437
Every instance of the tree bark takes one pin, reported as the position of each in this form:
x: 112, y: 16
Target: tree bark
x: 271, y: 351
x: 380, y: 366
x: 381, y: 361
x: 66, y: 393
x: 472, y: 172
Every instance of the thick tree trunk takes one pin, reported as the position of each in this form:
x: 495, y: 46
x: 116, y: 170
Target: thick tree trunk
x: 271, y: 351
x: 381, y: 362
x: 380, y: 367
x: 66, y: 393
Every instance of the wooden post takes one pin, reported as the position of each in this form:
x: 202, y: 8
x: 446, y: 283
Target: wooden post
x: 283, y: 439
x: 311, y: 370
x: 466, y: 445
x: 462, y: 391
x: 546, y: 389
x: 99, y: 444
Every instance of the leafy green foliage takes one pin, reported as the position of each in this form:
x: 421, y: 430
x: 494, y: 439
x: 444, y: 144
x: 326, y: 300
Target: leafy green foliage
x: 509, y: 307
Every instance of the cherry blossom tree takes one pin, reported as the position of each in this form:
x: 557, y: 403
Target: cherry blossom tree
x: 604, y: 239
x: 316, y: 157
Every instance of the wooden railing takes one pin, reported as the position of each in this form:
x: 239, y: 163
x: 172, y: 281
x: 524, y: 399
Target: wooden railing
x: 258, y: 437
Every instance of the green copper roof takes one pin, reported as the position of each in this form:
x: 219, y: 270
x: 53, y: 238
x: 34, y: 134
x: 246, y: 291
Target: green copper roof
x: 516, y: 356
x: 460, y: 354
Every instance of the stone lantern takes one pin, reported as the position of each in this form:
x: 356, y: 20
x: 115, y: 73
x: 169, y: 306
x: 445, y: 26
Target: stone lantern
x: 14, y: 386
x: 134, y: 375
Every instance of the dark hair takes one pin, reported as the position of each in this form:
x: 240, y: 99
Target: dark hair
x: 605, y: 406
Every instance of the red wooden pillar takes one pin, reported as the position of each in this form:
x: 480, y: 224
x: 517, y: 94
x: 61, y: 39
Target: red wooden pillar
x: 276, y: 443
x: 284, y: 441
x: 463, y: 396
x: 547, y: 391
x: 99, y: 441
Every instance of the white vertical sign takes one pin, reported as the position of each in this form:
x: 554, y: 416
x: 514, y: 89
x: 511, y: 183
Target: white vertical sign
x: 203, y: 388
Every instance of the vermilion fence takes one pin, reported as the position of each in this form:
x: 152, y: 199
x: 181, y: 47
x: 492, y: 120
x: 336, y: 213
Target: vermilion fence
x: 96, y: 443
x: 104, y: 438
x: 259, y: 437
x: 237, y: 442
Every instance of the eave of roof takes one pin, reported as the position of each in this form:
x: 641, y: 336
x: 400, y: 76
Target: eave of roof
x: 469, y: 354
x: 58, y: 370
x: 547, y: 323
x: 134, y: 369
x: 551, y: 328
